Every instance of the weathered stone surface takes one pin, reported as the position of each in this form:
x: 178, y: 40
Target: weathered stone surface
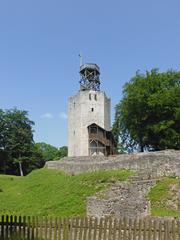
x: 124, y: 198
x: 84, y: 109
x: 162, y: 163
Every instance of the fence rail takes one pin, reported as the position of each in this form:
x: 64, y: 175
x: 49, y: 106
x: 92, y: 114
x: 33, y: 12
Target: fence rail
x: 18, y: 227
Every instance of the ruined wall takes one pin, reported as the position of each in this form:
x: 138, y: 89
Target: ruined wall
x: 124, y: 198
x: 162, y: 163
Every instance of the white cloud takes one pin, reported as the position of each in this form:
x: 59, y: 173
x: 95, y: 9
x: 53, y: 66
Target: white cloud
x: 47, y: 115
x: 63, y: 115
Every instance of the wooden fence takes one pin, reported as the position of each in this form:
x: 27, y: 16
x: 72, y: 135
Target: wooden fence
x: 13, y: 227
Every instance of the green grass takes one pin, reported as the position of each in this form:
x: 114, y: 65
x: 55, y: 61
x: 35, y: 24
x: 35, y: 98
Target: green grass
x: 164, y: 199
x: 47, y: 192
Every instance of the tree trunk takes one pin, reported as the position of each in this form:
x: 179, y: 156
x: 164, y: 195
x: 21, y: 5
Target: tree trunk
x: 20, y: 169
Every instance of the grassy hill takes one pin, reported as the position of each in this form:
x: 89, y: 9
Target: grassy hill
x: 165, y: 197
x: 49, y: 192
x: 53, y: 193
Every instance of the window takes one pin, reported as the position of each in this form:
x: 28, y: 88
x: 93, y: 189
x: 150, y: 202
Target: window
x: 93, y: 130
x: 74, y: 132
x: 92, y: 109
x: 74, y: 104
x: 95, y: 97
x: 89, y: 96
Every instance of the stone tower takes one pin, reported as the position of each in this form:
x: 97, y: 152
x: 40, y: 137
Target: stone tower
x: 89, y: 116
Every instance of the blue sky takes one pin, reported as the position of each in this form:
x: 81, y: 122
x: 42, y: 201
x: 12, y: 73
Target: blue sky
x: 40, y: 41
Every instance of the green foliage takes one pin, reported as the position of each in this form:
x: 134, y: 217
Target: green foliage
x: 17, y: 152
x: 48, y: 192
x: 164, y: 197
x: 48, y: 151
x: 62, y: 152
x: 148, y: 116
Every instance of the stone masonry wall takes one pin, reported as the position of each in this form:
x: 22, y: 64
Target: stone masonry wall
x: 161, y: 163
x: 124, y: 198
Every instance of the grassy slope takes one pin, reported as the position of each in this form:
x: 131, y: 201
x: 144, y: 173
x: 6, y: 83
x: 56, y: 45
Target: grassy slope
x: 165, y: 200
x: 52, y: 193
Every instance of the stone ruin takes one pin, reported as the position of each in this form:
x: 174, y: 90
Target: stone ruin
x: 123, y: 199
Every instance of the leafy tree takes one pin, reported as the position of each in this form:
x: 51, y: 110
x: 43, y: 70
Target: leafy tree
x: 3, y: 137
x: 19, y: 140
x: 48, y: 151
x: 17, y: 152
x: 148, y: 116
x: 62, y: 152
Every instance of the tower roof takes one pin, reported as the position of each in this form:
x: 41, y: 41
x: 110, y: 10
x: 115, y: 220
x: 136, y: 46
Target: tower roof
x: 90, y: 66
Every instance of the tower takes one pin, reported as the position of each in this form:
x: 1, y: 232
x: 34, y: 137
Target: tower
x: 89, y: 116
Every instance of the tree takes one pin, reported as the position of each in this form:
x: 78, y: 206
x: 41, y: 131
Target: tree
x: 17, y: 152
x: 19, y: 136
x: 62, y: 152
x: 148, y: 116
x: 3, y: 139
x: 48, y: 151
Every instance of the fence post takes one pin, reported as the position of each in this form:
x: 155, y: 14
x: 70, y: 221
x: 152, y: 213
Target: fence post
x: 15, y: 226
x: 59, y: 229
x: 114, y: 228
x: 90, y: 229
x: 95, y: 228
x: 81, y: 228
x: 24, y: 226
x: 55, y: 229
x: 144, y: 229
x: 120, y: 229
x: 11, y: 225
x: 155, y: 230
x: 36, y: 227
x: 134, y: 228
x: 160, y: 230
x: 125, y: 228
x: 2, y: 226
x: 40, y: 228
x: 45, y: 228
x: 65, y: 228
x: 140, y: 230
x: 178, y: 227
x: 110, y: 229
x: 50, y: 228
x: 19, y: 226
x: 100, y: 229
x: 7, y: 226
x: 130, y: 229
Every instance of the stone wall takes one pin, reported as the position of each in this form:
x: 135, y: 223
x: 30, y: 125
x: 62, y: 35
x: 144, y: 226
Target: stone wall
x: 124, y: 198
x: 161, y: 163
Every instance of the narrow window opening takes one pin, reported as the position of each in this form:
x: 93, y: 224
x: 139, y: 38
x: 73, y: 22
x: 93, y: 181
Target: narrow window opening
x: 95, y: 97
x: 92, y: 109
x: 74, y: 132
x: 89, y: 96
x: 74, y: 104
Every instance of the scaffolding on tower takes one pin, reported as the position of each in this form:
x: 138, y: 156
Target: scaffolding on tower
x: 89, y: 74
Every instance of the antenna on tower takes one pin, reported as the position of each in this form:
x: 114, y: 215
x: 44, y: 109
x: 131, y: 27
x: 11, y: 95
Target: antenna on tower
x: 81, y: 59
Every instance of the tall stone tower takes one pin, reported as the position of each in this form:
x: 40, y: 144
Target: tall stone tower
x: 89, y: 116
